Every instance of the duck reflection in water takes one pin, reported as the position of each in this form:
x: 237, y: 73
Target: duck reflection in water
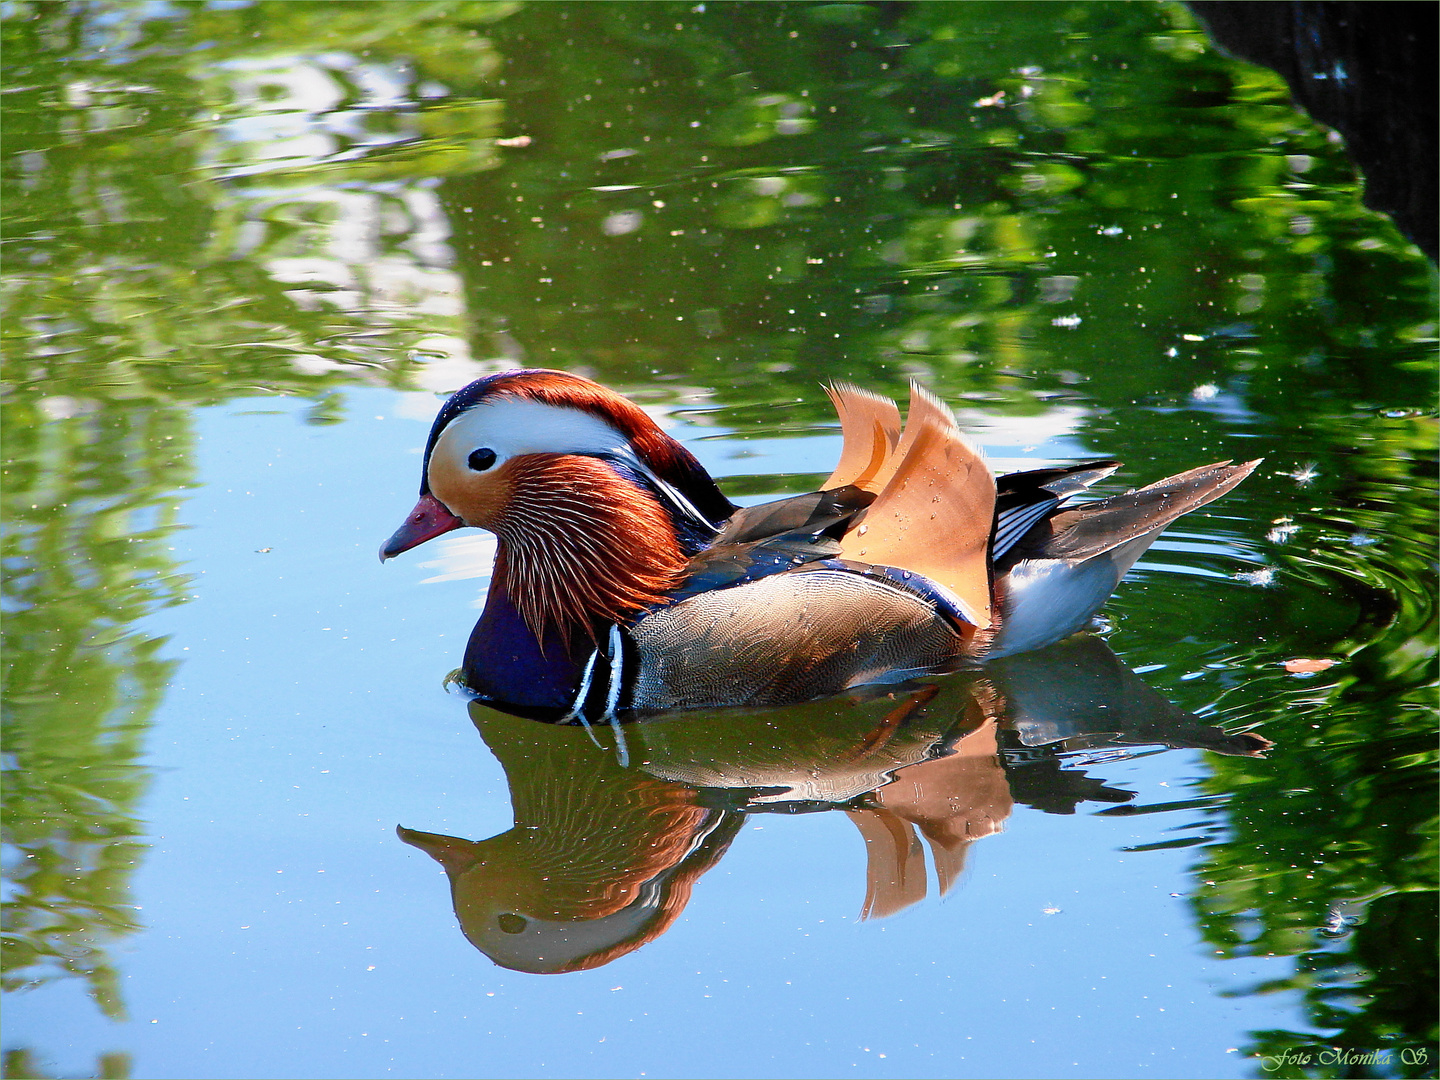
x: 603, y: 855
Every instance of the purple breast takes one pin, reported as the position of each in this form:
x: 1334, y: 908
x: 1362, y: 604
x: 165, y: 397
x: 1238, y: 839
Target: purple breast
x: 505, y: 663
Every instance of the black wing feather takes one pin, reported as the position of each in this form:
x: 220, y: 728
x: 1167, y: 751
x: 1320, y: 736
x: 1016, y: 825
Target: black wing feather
x: 1024, y: 499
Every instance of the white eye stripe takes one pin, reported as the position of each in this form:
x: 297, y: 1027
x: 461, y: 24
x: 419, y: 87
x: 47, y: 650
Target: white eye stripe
x: 512, y: 427
x: 515, y: 426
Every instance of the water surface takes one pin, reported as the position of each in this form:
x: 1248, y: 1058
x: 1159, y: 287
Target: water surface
x: 250, y: 243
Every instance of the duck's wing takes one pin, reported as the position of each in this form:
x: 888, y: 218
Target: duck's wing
x: 725, y: 565
x: 813, y: 511
x: 1052, y: 579
x: 870, y: 425
x: 779, y: 639
x: 768, y: 539
x: 1024, y: 498
x: 935, y: 514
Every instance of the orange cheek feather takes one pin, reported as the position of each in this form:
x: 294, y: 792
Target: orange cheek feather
x: 477, y: 498
x: 579, y: 543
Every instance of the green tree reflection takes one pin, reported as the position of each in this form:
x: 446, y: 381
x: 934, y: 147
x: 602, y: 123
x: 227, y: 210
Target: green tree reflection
x: 131, y: 297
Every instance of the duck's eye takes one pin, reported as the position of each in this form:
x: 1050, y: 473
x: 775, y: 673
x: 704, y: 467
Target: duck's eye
x: 511, y: 923
x: 481, y: 459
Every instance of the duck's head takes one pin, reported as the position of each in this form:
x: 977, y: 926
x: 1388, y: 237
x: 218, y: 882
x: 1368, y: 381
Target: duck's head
x: 573, y: 478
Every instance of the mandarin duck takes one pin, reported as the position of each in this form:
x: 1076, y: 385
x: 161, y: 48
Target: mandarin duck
x: 625, y: 580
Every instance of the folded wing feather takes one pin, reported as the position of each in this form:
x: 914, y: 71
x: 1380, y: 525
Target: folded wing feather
x: 870, y: 425
x: 936, y: 510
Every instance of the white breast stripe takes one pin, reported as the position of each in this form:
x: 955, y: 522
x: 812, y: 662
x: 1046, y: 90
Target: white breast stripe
x: 577, y: 711
x: 617, y: 672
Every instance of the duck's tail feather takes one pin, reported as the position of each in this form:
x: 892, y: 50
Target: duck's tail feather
x: 935, y: 513
x: 870, y: 425
x: 1066, y: 566
x: 1083, y: 532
